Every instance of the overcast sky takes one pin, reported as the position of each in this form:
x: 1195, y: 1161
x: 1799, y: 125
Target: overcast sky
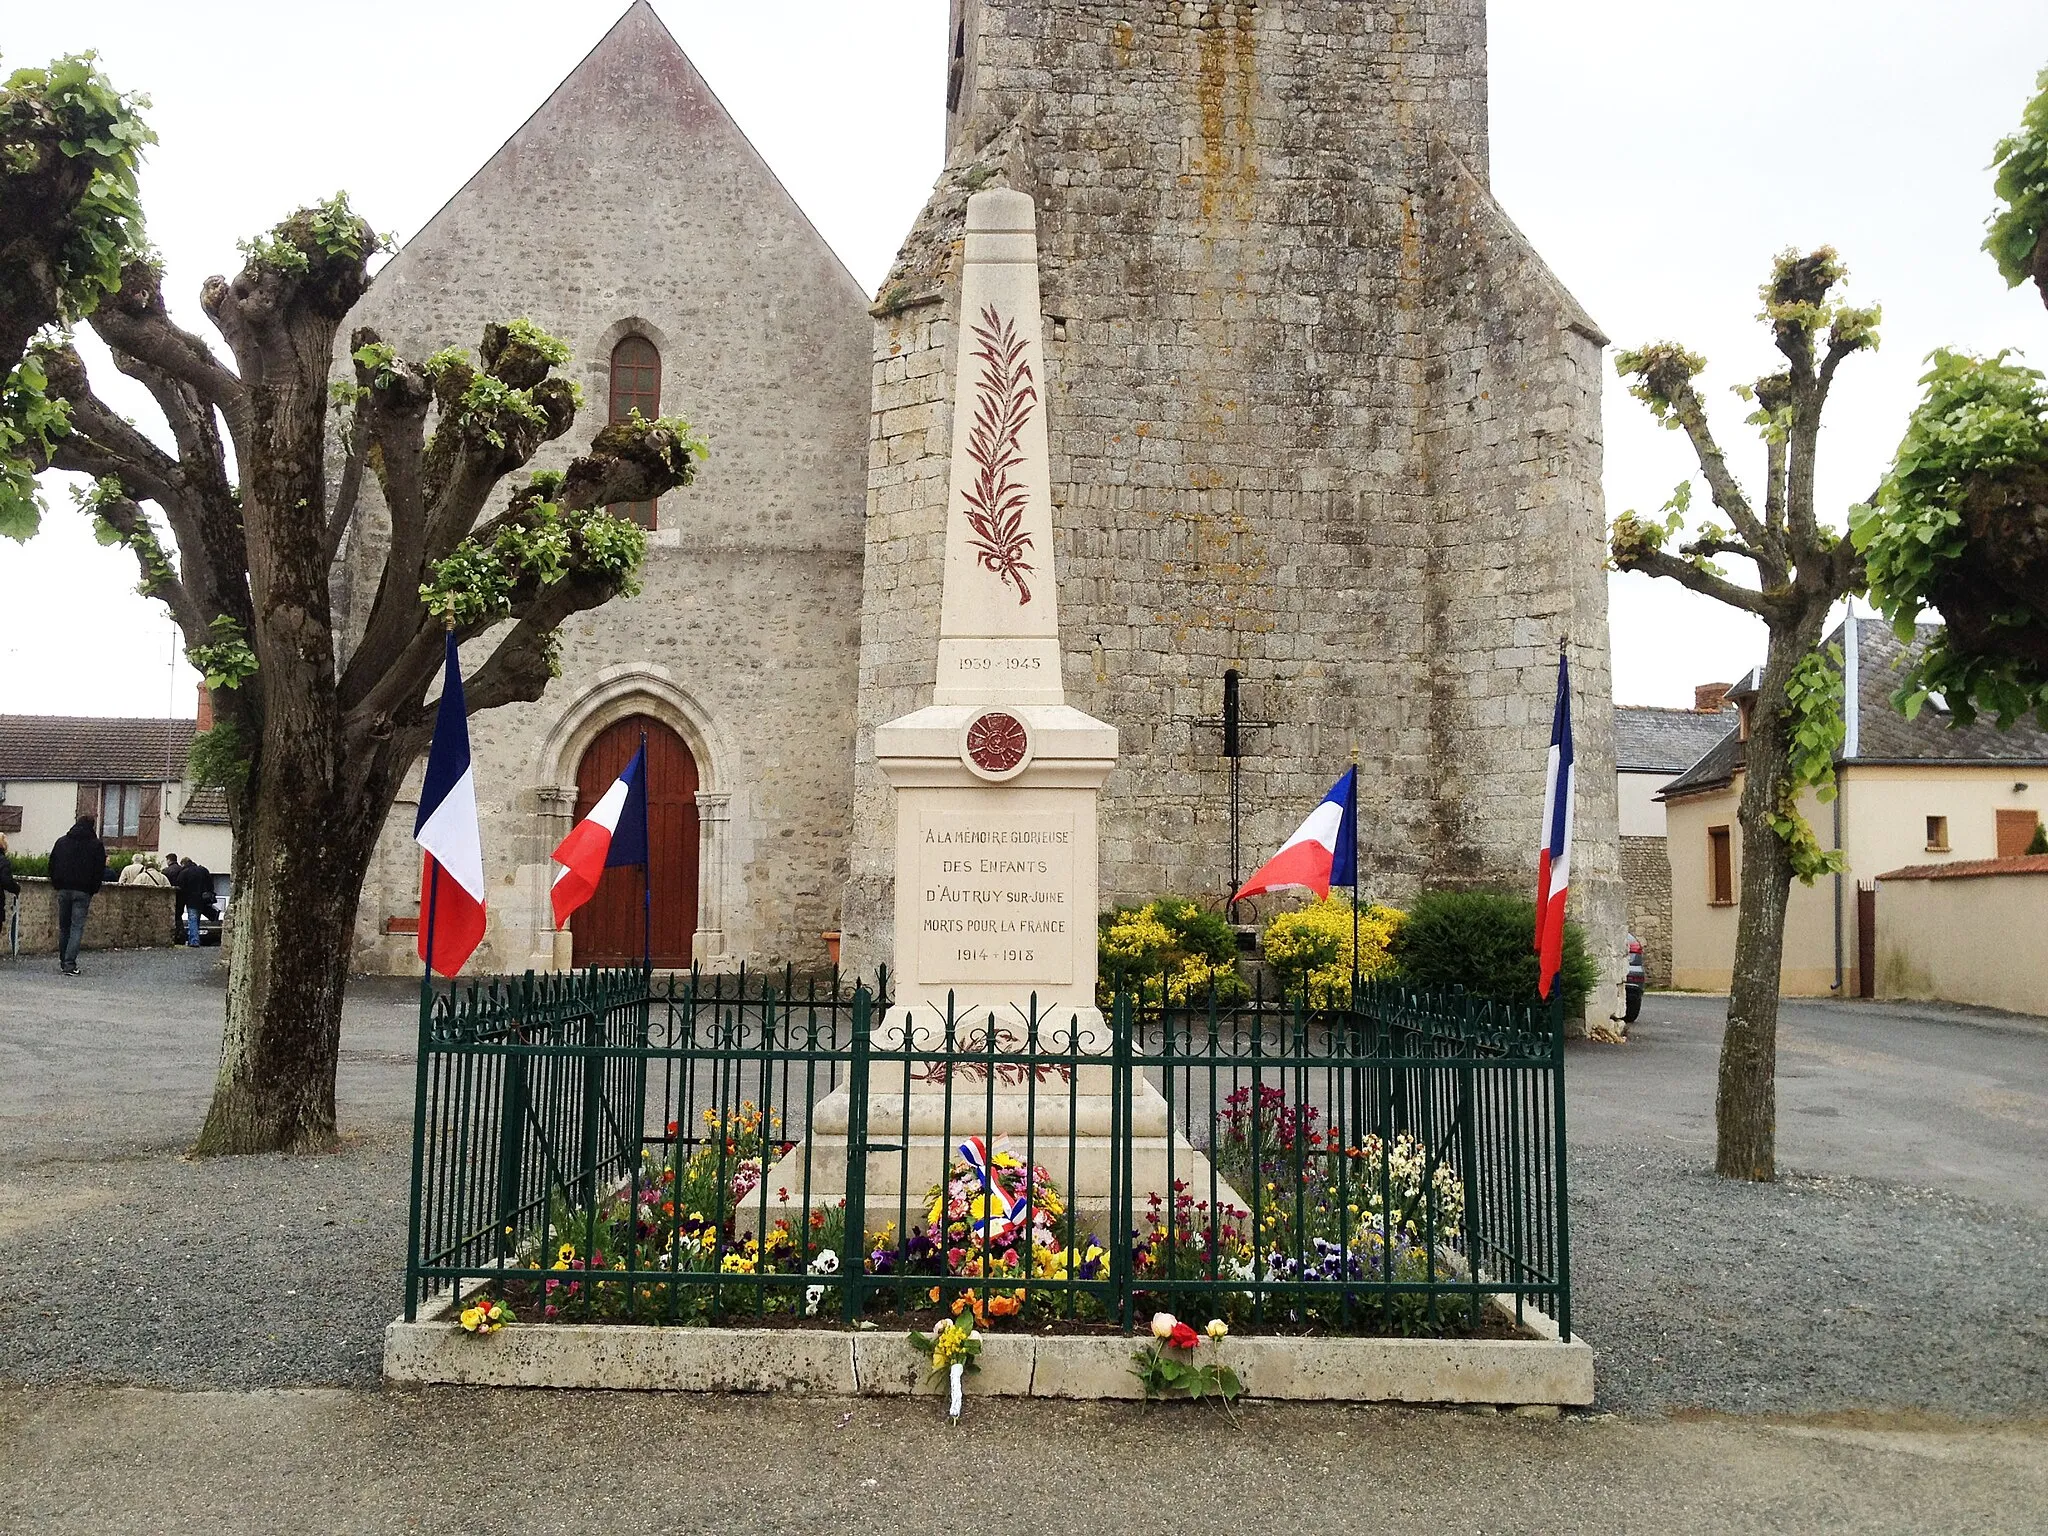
x: 1656, y: 154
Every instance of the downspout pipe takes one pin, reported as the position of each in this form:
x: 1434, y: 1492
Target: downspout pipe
x: 1852, y: 731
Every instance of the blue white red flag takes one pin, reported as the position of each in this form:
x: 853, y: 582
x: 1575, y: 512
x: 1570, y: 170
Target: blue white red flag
x: 1554, y: 863
x: 1323, y: 851
x: 1002, y: 1205
x: 452, y: 881
x: 612, y: 836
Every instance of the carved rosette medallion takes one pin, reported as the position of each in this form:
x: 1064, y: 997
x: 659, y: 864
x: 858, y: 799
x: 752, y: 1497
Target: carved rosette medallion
x: 996, y: 745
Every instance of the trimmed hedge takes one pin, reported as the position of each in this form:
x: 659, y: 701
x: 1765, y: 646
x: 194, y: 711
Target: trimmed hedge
x: 1484, y: 941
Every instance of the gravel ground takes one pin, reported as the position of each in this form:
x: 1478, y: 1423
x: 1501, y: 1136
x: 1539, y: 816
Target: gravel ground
x: 1814, y: 1294
x: 1820, y: 1293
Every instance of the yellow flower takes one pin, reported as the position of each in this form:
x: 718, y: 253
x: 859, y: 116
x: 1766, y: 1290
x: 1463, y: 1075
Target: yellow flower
x: 566, y: 1252
x: 470, y: 1317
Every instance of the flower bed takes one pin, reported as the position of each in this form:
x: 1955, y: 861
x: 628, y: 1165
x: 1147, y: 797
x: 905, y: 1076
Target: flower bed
x: 1339, y: 1239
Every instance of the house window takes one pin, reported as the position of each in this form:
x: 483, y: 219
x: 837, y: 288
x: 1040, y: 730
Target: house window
x: 636, y: 386
x: 120, y: 811
x: 1937, y: 834
x: 1720, y: 868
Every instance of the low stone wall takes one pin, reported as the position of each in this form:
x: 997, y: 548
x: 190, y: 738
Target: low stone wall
x: 1646, y: 876
x: 122, y: 917
x: 1965, y: 933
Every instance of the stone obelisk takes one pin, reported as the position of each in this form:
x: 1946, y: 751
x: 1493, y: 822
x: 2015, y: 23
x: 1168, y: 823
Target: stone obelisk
x: 996, y: 780
x: 996, y: 784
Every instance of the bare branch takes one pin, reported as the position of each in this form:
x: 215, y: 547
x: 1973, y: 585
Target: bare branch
x: 348, y: 493
x: 135, y: 321
x: 1656, y: 562
x: 127, y: 518
x: 1691, y: 414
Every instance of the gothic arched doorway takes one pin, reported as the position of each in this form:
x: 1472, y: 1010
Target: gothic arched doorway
x: 608, y: 928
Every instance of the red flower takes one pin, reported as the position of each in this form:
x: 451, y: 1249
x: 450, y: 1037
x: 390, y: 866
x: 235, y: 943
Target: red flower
x: 1184, y: 1337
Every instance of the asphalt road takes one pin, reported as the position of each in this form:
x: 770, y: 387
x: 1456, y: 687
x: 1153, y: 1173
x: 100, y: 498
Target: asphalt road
x: 111, y: 1462
x: 1953, y: 1099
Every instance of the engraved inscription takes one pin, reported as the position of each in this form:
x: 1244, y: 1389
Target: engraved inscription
x: 997, y: 897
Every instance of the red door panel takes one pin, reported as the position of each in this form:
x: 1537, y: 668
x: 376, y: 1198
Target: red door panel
x: 609, y: 928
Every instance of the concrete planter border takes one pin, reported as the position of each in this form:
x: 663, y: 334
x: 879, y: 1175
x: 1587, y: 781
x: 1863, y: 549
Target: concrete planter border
x: 881, y: 1363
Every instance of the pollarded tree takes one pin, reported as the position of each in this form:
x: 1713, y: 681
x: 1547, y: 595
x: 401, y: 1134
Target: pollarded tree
x: 69, y: 222
x: 1802, y: 567
x: 314, y: 736
x: 1961, y: 522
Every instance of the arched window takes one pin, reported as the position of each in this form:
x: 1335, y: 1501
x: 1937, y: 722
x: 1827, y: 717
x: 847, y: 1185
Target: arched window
x: 636, y: 386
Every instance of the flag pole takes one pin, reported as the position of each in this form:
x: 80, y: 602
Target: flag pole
x: 1351, y: 814
x: 433, y: 901
x: 646, y: 871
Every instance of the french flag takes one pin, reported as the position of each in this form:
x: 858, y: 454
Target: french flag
x: 1554, y: 863
x: 614, y: 834
x: 1322, y: 853
x: 452, y: 883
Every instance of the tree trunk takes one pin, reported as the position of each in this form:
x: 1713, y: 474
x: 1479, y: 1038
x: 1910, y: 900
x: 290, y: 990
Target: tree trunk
x: 298, y: 876
x: 1746, y: 1104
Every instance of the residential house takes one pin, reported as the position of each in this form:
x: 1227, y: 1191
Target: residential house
x: 127, y: 774
x: 1652, y: 746
x: 1910, y: 793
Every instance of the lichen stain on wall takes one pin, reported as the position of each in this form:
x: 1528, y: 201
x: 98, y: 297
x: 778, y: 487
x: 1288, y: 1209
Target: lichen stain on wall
x: 1228, y: 560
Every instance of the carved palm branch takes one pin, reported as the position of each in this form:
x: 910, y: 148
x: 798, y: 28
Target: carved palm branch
x: 1003, y: 402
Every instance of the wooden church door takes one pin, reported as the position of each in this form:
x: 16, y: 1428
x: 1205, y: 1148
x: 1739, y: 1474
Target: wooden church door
x: 607, y: 928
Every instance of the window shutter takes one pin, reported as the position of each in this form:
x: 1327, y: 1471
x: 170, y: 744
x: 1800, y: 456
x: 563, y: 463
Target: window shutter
x: 2015, y: 831
x: 89, y: 802
x: 152, y: 816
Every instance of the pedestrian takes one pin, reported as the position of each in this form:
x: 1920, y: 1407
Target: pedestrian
x: 78, y: 868
x: 177, y: 901
x: 9, y: 886
x: 194, y: 885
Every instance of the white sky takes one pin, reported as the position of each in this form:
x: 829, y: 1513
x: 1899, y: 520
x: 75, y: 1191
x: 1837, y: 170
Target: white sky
x: 1658, y: 155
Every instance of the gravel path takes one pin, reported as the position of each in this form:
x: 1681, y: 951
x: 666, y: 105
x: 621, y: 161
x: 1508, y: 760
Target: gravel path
x: 1809, y: 1295
x: 125, y: 1262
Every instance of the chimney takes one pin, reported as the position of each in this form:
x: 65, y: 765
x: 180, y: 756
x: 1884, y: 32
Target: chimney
x: 205, y: 720
x: 1710, y: 698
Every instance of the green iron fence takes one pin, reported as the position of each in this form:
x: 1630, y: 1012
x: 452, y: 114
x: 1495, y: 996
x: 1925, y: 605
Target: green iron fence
x: 601, y: 1145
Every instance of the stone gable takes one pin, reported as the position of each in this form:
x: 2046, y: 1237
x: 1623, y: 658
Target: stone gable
x: 631, y: 203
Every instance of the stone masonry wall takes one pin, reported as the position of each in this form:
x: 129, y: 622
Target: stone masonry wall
x: 120, y: 917
x: 631, y: 203
x: 1646, y: 876
x: 1316, y: 413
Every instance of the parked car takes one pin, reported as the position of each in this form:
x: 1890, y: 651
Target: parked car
x: 1632, y: 982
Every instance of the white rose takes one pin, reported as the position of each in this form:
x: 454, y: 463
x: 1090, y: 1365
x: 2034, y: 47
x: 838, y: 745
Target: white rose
x: 1162, y: 1325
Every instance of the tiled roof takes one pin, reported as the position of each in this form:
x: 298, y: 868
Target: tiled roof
x: 1710, y: 772
x: 1650, y: 740
x: 1884, y: 735
x: 206, y: 808
x: 1966, y: 869
x: 1888, y: 736
x: 92, y: 747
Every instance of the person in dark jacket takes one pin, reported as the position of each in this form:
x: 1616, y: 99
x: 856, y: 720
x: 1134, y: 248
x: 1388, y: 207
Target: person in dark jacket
x: 177, y: 901
x: 193, y: 882
x: 78, y: 868
x: 9, y: 886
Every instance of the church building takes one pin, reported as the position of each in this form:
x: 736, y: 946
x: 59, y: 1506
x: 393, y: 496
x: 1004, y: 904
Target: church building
x: 1319, y: 418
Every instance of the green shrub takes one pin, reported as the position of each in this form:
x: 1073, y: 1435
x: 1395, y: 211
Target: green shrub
x: 1185, y: 946
x: 1483, y: 941
x: 2040, y: 839
x: 37, y: 864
